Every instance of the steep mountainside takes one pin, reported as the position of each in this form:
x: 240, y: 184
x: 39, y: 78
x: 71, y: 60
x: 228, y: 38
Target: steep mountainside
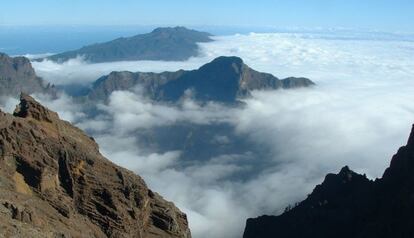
x: 350, y: 205
x: 55, y: 183
x: 224, y: 79
x: 170, y: 44
x: 17, y: 75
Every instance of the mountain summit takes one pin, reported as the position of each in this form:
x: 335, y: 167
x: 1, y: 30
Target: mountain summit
x: 348, y: 204
x: 225, y: 79
x: 55, y: 183
x: 167, y: 43
x: 17, y: 75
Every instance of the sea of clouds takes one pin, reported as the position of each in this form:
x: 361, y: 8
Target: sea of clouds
x: 359, y: 113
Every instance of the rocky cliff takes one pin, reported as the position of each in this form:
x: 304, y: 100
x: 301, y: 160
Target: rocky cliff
x: 17, y: 75
x: 348, y: 204
x: 225, y: 79
x: 55, y: 183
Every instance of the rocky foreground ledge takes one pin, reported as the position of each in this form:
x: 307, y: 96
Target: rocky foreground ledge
x: 55, y: 183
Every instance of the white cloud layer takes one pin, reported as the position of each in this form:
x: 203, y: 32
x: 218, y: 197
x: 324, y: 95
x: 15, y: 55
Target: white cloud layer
x: 358, y: 115
x: 77, y: 71
x: 131, y: 111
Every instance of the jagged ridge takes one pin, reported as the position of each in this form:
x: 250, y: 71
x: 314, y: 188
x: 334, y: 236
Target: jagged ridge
x: 17, y: 75
x: 350, y: 205
x: 225, y: 79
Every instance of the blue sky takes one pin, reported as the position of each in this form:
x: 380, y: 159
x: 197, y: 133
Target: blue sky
x: 391, y: 15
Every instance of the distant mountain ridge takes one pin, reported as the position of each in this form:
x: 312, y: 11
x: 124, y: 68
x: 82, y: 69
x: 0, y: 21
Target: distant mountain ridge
x: 348, y: 204
x: 17, y: 75
x: 225, y: 79
x: 167, y: 44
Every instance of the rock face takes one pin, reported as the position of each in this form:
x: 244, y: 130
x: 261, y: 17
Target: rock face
x: 170, y: 44
x: 350, y: 205
x: 17, y: 75
x: 55, y: 183
x: 116, y: 81
x: 225, y: 79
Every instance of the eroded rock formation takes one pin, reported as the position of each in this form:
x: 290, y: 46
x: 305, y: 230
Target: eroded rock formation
x: 55, y: 183
x: 17, y: 75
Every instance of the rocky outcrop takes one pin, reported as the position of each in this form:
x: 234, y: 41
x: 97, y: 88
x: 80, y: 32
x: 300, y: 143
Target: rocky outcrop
x: 350, y: 205
x: 55, y: 183
x: 169, y: 44
x: 17, y: 75
x: 225, y: 79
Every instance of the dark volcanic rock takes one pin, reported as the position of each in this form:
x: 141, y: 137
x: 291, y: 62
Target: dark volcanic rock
x: 349, y: 205
x: 225, y: 79
x: 168, y: 44
x: 55, y: 183
x: 17, y: 75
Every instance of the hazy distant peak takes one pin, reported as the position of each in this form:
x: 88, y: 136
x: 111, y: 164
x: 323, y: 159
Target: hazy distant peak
x: 176, y: 29
x: 164, y: 43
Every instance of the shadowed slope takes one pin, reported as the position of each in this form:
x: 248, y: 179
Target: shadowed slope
x: 349, y: 205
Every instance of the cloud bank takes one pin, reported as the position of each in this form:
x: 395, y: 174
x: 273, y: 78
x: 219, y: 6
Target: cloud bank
x: 77, y: 71
x: 358, y: 115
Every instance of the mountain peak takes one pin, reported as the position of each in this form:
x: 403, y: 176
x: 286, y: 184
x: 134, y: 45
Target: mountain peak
x: 410, y: 141
x: 402, y: 163
x: 224, y: 63
x: 30, y: 108
x: 230, y: 62
x: 21, y: 77
x: 171, y: 29
x: 163, y: 43
x: 345, y: 170
x: 224, y: 79
x: 227, y: 60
